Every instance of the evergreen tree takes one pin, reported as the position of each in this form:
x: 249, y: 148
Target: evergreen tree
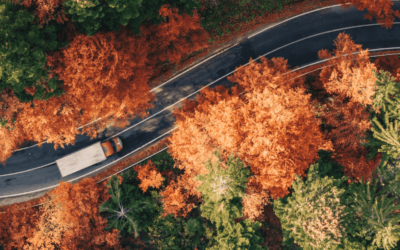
x: 22, y: 54
x: 313, y: 215
x: 222, y: 191
x: 106, y: 15
x: 389, y: 176
x: 178, y: 233
x: 384, y: 117
x: 129, y: 210
x: 372, y: 214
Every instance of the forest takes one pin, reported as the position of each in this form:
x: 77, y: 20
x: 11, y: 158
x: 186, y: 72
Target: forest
x: 280, y: 160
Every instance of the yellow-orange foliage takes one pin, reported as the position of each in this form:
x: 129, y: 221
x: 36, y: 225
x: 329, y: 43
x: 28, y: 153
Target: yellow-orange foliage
x: 271, y: 128
x: 104, y: 75
x: 170, y: 37
x: 73, y: 221
x: 176, y: 37
x: 49, y: 229
x: 148, y: 176
x: 18, y: 225
x: 176, y: 200
x: 352, y: 85
x: 380, y: 9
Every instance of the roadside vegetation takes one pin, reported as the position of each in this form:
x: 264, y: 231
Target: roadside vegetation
x: 278, y: 161
x: 218, y: 192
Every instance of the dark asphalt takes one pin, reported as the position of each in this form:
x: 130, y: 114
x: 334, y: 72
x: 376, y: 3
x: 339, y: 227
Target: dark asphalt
x: 298, y: 54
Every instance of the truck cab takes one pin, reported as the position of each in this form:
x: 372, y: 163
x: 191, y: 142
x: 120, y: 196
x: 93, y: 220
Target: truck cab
x: 112, y: 146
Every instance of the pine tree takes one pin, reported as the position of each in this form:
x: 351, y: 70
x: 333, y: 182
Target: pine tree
x: 372, y: 213
x: 384, y: 118
x: 223, y: 189
x: 128, y: 209
x: 313, y: 215
x: 389, y: 176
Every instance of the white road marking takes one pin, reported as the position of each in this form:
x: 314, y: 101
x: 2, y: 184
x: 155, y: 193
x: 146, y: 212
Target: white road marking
x: 302, y: 14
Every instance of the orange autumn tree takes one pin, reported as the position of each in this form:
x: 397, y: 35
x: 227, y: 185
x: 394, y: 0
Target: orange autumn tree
x: 149, y: 176
x: 271, y: 128
x: 72, y: 219
x: 18, y: 224
x: 104, y: 76
x: 176, y: 37
x: 380, y: 9
x: 351, y: 82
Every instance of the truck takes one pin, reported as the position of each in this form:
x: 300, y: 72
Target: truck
x: 88, y: 156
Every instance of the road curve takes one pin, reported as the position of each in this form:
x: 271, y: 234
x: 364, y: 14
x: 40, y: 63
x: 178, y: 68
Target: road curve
x: 298, y: 40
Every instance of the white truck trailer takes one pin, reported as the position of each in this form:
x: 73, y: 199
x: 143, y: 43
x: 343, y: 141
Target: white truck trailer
x: 81, y: 159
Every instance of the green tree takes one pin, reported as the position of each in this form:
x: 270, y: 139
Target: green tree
x: 372, y: 213
x: 389, y: 176
x: 222, y: 191
x: 312, y: 216
x: 129, y: 210
x: 22, y: 54
x: 178, y: 233
x: 92, y: 15
x: 384, y: 135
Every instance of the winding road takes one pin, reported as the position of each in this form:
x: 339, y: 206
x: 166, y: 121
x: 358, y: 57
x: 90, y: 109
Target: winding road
x: 298, y: 39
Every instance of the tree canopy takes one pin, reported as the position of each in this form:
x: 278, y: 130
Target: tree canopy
x: 272, y: 128
x: 351, y: 83
x: 23, y: 57
x: 109, y: 15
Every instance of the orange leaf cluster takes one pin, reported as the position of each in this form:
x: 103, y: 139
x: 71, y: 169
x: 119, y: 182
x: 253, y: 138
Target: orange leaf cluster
x: 149, y: 176
x: 352, y: 85
x: 175, y: 34
x: 175, y: 200
x: 271, y: 128
x: 73, y: 221
x: 18, y: 225
x: 176, y: 37
x: 380, y: 9
x: 255, y: 200
x: 45, y: 10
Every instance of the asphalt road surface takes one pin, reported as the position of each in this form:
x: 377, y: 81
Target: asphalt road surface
x: 297, y: 40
